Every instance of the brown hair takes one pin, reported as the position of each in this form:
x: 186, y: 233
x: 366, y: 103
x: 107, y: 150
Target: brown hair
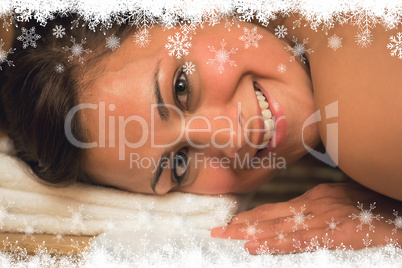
x: 35, y: 98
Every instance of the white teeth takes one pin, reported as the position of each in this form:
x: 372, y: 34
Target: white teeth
x: 258, y: 93
x: 269, y: 123
x: 263, y: 104
x: 266, y: 124
x: 268, y: 136
x: 268, y: 130
x: 267, y: 114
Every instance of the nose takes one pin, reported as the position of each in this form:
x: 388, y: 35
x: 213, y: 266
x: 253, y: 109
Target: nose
x: 220, y: 131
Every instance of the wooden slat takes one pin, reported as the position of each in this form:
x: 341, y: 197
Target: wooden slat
x: 67, y: 245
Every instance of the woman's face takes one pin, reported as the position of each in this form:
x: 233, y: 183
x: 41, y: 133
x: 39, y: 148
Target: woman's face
x: 209, y: 124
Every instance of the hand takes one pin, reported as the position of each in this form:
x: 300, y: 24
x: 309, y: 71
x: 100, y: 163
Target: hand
x: 337, y: 215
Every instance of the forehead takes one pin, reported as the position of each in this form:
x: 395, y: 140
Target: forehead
x: 124, y: 88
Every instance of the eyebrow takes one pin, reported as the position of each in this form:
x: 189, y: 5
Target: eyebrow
x: 162, y: 109
x: 159, y: 170
x: 163, y: 112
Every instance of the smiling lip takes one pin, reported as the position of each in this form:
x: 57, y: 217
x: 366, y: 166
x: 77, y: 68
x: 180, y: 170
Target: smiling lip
x: 280, y: 123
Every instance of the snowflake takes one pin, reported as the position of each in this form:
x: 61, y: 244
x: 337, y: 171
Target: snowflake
x: 7, y: 22
x: 58, y: 238
x: 364, y: 19
x: 281, y: 31
x: 299, y: 218
x: 77, y: 50
x: 178, y: 223
x: 188, y: 29
x: 392, y: 242
x: 6, y: 243
x: 59, y: 31
x: 367, y: 241
x: 142, y: 38
x: 246, y: 14
x: 250, y: 37
x: 24, y: 16
x: 28, y: 230
x: 75, y: 244
x: 390, y: 20
x: 332, y: 225
x: 327, y: 243
x: 112, y: 42
x: 396, y: 45
x: 299, y: 50
x: 110, y: 225
x: 81, y: 246
x: 251, y: 230
x: 142, y: 17
x: 334, y: 42
x: 76, y: 24
x: 223, y: 210
x: 397, y: 222
x: 188, y: 68
x: 212, y: 17
x: 281, y: 68
x: 281, y: 236
x: 42, y: 254
x: 189, y: 199
x: 264, y: 249
x: 364, y: 38
x: 365, y: 216
x: 314, y: 244
x: 3, y: 56
x: 28, y: 38
x: 76, y: 219
x: 265, y: 17
x: 59, y: 68
x: 178, y: 45
x: 4, y: 213
x: 144, y: 217
x: 44, y: 16
x: 229, y: 24
x: 222, y: 56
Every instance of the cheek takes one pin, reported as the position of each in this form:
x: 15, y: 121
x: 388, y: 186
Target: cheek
x: 213, y: 181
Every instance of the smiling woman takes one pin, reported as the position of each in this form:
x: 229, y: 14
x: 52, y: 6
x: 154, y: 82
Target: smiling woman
x: 211, y: 111
x: 206, y: 113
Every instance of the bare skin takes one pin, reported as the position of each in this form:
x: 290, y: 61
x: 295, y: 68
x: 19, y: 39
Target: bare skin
x: 348, y: 76
x: 366, y: 82
x: 368, y: 94
x: 369, y: 131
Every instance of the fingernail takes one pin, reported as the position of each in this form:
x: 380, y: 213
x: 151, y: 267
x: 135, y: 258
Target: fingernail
x: 218, y: 231
x: 252, y: 246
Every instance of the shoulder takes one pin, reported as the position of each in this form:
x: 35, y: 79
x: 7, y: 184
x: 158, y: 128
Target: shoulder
x: 367, y: 84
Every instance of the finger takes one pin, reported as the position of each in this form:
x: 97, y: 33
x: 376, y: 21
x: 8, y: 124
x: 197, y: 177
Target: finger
x: 264, y: 212
x: 264, y: 229
x: 313, y: 239
x: 299, y: 241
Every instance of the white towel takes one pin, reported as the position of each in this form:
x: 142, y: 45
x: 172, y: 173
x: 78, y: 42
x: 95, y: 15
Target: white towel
x: 80, y: 209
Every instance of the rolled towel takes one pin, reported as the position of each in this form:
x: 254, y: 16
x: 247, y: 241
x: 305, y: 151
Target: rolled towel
x: 83, y: 209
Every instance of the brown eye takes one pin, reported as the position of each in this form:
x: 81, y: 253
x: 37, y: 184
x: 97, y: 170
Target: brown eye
x: 180, y: 165
x: 181, y: 90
